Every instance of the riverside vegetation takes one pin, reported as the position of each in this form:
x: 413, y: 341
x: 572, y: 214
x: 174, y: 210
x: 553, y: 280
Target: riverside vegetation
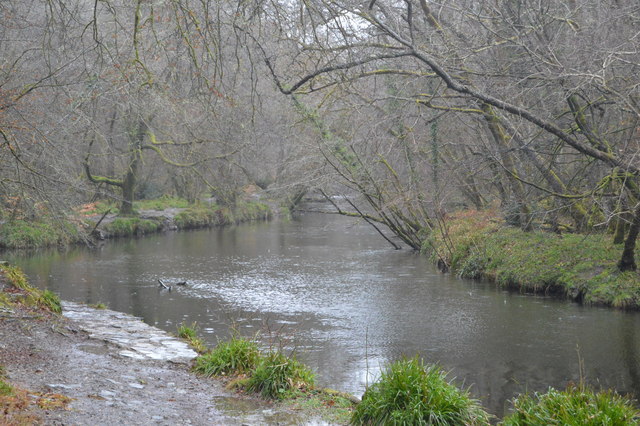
x: 408, y: 392
x: 581, y: 267
x: 47, y: 231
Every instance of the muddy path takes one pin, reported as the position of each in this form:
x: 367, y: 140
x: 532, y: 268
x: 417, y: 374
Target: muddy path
x: 119, y: 370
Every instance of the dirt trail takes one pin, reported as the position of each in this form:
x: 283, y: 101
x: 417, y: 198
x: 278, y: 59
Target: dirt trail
x: 110, y: 364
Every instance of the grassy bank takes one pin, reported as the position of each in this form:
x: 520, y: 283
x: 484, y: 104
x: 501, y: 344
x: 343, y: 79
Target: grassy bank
x: 271, y: 374
x: 45, y: 232
x: 203, y: 216
x: 51, y: 232
x: 580, y: 267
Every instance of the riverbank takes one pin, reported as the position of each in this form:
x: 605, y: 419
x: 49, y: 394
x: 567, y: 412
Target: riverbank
x: 100, y: 367
x: 101, y: 221
x: 574, y: 266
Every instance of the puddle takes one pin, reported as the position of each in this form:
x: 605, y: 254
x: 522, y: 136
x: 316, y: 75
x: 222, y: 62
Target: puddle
x: 94, y: 349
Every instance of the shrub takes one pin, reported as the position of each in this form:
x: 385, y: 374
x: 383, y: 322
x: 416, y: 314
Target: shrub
x: 410, y: 393
x: 276, y: 375
x: 236, y: 356
x: 575, y: 406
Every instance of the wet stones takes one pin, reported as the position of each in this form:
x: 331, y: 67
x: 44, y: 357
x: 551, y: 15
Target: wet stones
x: 136, y: 339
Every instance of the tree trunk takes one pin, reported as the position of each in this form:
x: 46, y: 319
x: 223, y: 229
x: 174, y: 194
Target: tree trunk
x: 628, y: 261
x: 131, y: 178
x: 502, y: 141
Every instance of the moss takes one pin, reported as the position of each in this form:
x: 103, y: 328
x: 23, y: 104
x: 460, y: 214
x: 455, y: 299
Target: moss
x: 580, y: 267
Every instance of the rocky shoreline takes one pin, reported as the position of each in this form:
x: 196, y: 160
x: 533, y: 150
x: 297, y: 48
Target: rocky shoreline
x: 118, y: 370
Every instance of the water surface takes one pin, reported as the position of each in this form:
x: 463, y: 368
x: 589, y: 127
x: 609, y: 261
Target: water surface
x: 331, y: 289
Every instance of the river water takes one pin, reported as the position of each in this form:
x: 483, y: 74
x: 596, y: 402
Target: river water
x: 330, y: 289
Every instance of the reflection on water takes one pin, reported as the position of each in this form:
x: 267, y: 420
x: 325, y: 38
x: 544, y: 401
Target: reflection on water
x: 331, y: 289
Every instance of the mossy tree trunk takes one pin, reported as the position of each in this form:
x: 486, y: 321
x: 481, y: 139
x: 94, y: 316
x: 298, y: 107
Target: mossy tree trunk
x: 131, y: 177
x: 628, y: 261
x: 127, y: 184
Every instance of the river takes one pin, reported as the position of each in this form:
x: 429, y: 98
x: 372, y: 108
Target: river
x: 330, y: 289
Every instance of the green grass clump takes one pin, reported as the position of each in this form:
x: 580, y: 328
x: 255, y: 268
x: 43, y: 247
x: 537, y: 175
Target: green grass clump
x: 246, y: 211
x: 410, y: 393
x: 15, y: 276
x: 206, y: 216
x: 190, y: 334
x: 98, y: 305
x: 237, y: 356
x: 199, y: 217
x: 5, y: 388
x: 50, y: 301
x: 575, y: 406
x: 21, y: 234
x: 129, y: 226
x: 29, y: 296
x: 277, y: 375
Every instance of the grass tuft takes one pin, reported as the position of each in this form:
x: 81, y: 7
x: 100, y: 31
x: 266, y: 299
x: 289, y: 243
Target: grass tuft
x: 190, y: 334
x: 277, y: 375
x: 237, y: 356
x: 27, y: 295
x: 50, y: 301
x: 576, y: 405
x: 410, y: 393
x: 98, y: 305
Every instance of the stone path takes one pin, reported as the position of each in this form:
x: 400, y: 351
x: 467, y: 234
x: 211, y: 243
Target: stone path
x: 137, y: 339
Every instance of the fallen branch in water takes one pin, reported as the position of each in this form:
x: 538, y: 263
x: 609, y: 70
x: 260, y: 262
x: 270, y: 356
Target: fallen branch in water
x: 163, y: 285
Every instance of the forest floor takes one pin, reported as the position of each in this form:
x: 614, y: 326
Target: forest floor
x: 63, y: 374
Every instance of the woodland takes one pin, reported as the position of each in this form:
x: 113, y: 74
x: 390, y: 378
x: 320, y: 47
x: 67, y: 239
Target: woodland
x: 408, y: 110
